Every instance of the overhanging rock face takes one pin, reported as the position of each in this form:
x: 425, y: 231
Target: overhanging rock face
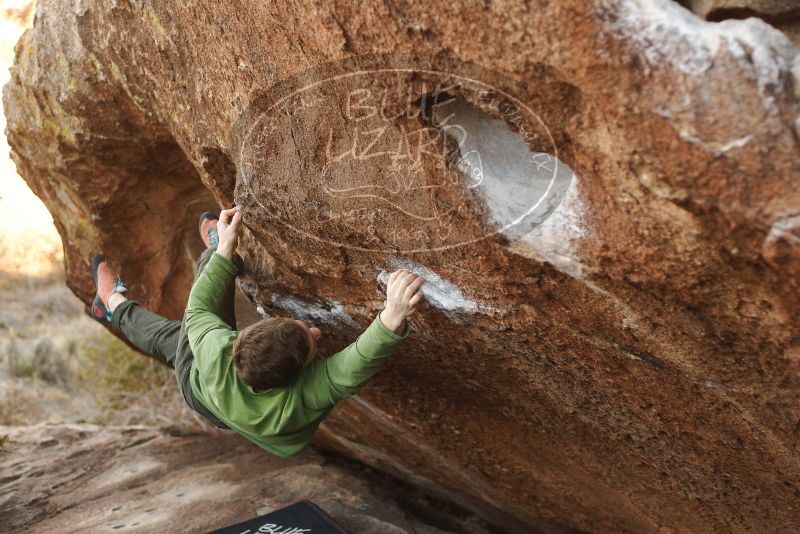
x: 605, y: 197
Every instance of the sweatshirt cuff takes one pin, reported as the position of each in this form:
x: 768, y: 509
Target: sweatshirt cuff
x: 225, y: 263
x: 389, y: 333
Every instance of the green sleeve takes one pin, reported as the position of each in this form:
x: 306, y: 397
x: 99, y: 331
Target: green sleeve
x: 212, y: 294
x: 326, y: 381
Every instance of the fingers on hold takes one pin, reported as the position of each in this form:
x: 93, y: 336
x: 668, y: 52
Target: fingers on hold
x: 417, y: 283
x: 225, y: 215
x: 405, y: 280
x: 415, y: 299
x: 234, y: 225
x: 398, y: 279
x: 413, y: 287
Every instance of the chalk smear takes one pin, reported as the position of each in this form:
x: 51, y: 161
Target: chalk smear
x: 531, y: 197
x: 327, y: 312
x: 554, y: 240
x: 438, y: 292
x: 668, y: 34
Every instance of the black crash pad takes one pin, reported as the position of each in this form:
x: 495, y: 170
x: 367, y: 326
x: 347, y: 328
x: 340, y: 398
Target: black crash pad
x: 303, y: 517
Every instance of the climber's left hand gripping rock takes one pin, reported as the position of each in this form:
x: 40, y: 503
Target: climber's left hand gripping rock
x: 228, y: 230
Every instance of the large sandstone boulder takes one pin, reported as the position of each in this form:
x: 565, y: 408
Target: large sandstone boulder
x: 604, y: 196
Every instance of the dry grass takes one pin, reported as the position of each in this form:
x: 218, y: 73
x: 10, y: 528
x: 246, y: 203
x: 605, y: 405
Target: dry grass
x: 129, y: 388
x: 56, y: 364
x: 42, y: 361
x: 20, y: 406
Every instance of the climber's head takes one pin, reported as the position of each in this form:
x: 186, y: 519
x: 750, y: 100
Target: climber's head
x: 272, y: 352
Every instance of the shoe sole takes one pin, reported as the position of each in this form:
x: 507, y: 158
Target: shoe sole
x: 206, y: 215
x: 97, y: 259
x: 95, y: 262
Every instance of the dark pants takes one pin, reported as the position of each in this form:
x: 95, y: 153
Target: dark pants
x: 167, y: 340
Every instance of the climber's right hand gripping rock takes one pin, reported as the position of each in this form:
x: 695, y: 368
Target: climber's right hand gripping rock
x: 402, y: 297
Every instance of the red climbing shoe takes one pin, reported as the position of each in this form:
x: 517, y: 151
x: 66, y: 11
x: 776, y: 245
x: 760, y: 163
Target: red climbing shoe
x: 106, y: 285
x: 208, y: 229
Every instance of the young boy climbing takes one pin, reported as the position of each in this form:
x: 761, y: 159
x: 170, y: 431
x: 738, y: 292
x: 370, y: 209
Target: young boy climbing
x: 265, y: 382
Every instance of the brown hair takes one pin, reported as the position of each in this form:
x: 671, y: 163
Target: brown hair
x: 270, y: 353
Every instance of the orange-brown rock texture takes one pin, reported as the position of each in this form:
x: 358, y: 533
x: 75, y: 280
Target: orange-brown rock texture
x: 603, y: 195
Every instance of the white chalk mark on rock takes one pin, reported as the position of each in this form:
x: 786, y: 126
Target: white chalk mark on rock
x: 518, y: 186
x: 438, y: 292
x: 532, y: 197
x: 329, y: 311
x: 553, y: 240
x: 787, y: 229
x: 666, y: 33
x: 736, y: 143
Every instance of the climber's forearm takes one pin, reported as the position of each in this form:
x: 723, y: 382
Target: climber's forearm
x: 226, y: 251
x: 326, y: 381
x: 214, y: 288
x: 211, y: 294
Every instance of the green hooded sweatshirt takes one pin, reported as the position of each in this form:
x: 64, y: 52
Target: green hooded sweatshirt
x: 280, y: 420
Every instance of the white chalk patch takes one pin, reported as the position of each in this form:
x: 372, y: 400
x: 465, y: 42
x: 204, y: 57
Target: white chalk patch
x: 667, y: 33
x: 249, y: 289
x: 531, y: 197
x: 787, y: 228
x: 736, y: 143
x: 517, y: 186
x: 438, y: 292
x: 554, y: 240
x: 330, y: 311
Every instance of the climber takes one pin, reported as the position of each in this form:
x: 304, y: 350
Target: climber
x: 265, y: 381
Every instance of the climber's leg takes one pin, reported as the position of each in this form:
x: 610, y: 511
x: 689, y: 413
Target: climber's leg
x: 148, y: 331
x: 108, y: 289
